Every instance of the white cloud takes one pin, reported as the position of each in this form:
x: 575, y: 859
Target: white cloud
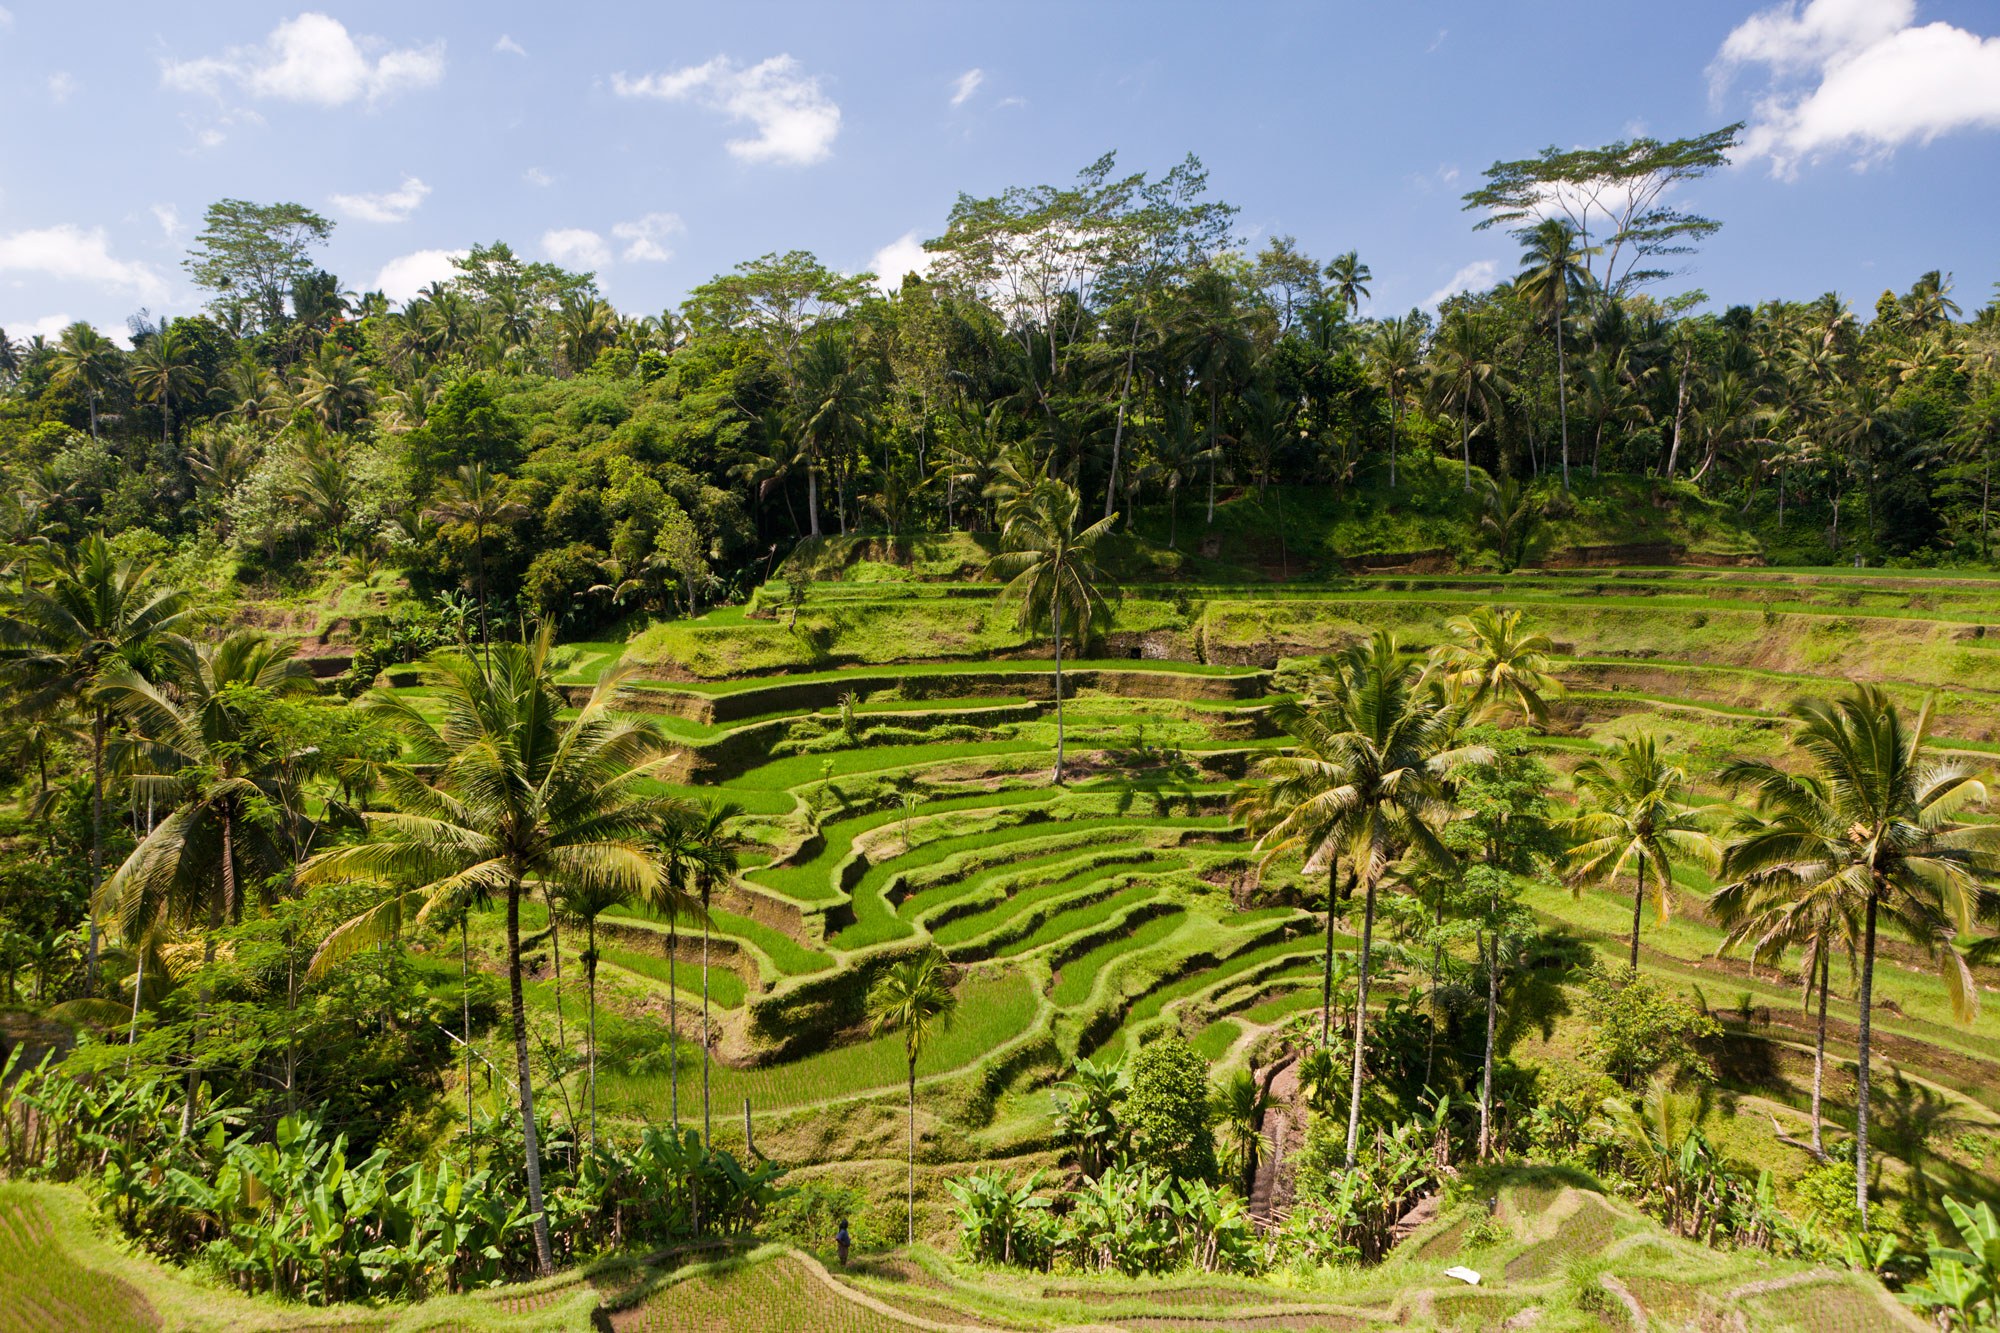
x: 1474, y: 277
x: 905, y: 254
x: 537, y: 177
x: 68, y: 253
x: 1011, y: 101
x: 391, y: 206
x: 169, y: 218
x: 401, y: 279
x: 576, y: 247
x: 508, y: 46
x: 48, y: 326
x: 645, y: 239
x: 795, y: 122
x: 6, y: 17
x: 966, y: 85
x: 60, y: 85
x: 1858, y: 77
x: 312, y: 58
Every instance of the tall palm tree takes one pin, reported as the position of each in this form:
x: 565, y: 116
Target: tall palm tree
x: 162, y: 374
x: 1496, y: 666
x: 833, y: 407
x: 913, y: 997
x: 582, y: 904
x: 1216, y: 344
x: 474, y: 497
x: 1774, y: 907
x: 1395, y: 355
x: 1464, y: 378
x: 1051, y: 569
x: 1365, y: 779
x: 1873, y: 821
x: 504, y: 794
x: 1634, y: 815
x: 1555, y: 272
x: 1349, y: 278
x: 710, y: 859
x: 94, y: 611
x: 88, y: 362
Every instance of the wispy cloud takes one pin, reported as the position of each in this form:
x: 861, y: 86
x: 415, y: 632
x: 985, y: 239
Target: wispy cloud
x: 390, y: 206
x: 795, y: 122
x: 645, y: 239
x: 61, y: 84
x: 966, y: 85
x: 1474, y: 277
x: 508, y: 46
x: 169, y: 219
x: 1858, y: 78
x: 538, y: 178
x: 311, y: 58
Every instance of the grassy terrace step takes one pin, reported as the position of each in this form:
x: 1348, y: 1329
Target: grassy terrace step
x: 994, y: 1010
x: 1026, y: 908
x: 811, y: 880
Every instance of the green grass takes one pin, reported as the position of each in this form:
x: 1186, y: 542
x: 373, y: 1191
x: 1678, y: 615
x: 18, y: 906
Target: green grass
x: 1022, y: 899
x: 725, y: 988
x: 1080, y: 975
x: 991, y: 1012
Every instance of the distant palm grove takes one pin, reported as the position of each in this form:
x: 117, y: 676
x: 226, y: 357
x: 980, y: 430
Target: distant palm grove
x: 1098, y: 757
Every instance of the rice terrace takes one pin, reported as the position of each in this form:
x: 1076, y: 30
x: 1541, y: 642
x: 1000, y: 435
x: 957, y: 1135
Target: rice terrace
x: 1079, y: 773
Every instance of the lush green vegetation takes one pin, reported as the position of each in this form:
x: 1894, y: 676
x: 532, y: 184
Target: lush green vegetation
x: 1142, y: 832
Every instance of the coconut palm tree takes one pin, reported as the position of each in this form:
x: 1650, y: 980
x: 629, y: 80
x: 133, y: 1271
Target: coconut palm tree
x: 1365, y: 778
x: 162, y: 374
x: 709, y: 859
x: 833, y: 407
x: 913, y: 997
x: 504, y: 794
x: 1873, y: 820
x: 1051, y: 570
x: 1634, y: 815
x: 94, y: 611
x: 582, y: 904
x: 475, y: 498
x: 88, y: 362
x: 1495, y: 666
x: 1395, y: 355
x: 1349, y: 279
x: 1554, y: 273
x: 1464, y: 378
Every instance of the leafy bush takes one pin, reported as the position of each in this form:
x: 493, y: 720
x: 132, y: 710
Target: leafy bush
x: 1166, y: 1113
x: 1638, y: 1029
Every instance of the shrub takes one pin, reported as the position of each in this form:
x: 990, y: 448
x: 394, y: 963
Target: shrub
x: 1638, y: 1029
x: 1167, y: 1111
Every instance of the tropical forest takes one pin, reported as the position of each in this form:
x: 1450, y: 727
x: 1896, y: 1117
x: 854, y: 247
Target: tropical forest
x: 1100, y: 781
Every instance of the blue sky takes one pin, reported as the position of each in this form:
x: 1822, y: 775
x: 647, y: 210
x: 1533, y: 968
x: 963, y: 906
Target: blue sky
x: 659, y: 144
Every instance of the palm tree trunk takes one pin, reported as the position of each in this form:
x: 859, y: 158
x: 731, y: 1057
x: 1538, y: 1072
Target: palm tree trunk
x: 1326, y: 980
x: 1118, y: 431
x: 590, y: 976
x: 913, y: 1151
x: 1392, y: 444
x: 1819, y: 1049
x: 230, y: 909
x: 524, y: 1075
x: 1638, y: 906
x: 1861, y: 1071
x: 1212, y: 451
x: 98, y: 725
x: 1465, y: 447
x: 1059, y: 692
x: 1360, y: 1024
x: 704, y: 1022
x: 812, y: 498
x: 674, y: 1026
x: 1562, y: 399
x: 479, y: 550
x: 138, y: 989
x: 1491, y: 947
x: 465, y: 1009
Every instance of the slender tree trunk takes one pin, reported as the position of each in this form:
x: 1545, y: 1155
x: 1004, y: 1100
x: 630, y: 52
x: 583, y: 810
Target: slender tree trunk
x: 1680, y: 413
x: 1360, y: 1024
x: 812, y: 498
x: 1326, y: 981
x: 98, y: 725
x: 913, y: 1151
x: 1819, y: 1047
x: 1491, y: 946
x: 1118, y: 431
x: 1861, y: 1071
x: 1638, y: 907
x: 1562, y: 399
x: 465, y: 1008
x: 1465, y: 448
x: 1392, y: 443
x: 524, y: 1076
x: 590, y: 978
x: 674, y: 1026
x: 138, y: 989
x: 1059, y: 692
x: 230, y: 908
x: 479, y: 551
x: 1985, y: 503
x: 704, y: 1022
x: 1213, y: 451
